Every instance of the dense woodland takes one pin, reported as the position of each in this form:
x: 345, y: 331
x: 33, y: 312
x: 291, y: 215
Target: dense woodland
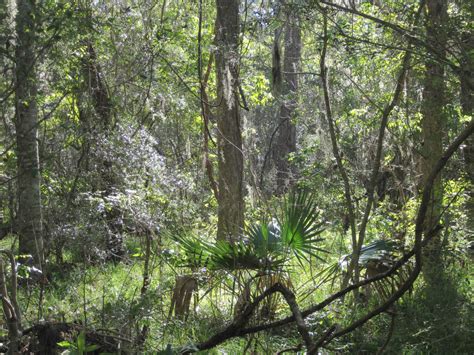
x: 236, y: 177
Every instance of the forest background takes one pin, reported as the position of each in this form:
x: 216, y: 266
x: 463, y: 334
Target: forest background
x: 236, y: 176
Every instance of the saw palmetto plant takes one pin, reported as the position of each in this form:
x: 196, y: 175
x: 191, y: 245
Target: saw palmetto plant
x: 265, y: 249
x: 375, y: 258
x: 294, y: 233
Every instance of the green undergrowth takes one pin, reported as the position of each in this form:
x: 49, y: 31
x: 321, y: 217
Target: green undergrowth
x: 108, y: 296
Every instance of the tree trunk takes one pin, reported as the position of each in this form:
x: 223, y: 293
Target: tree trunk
x: 29, y: 196
x: 229, y: 141
x: 4, y: 37
x: 287, y: 95
x: 433, y: 131
x: 467, y: 105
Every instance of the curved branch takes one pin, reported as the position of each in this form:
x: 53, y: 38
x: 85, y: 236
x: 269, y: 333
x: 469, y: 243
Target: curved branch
x: 235, y: 329
x: 14, y: 284
x: 400, y: 30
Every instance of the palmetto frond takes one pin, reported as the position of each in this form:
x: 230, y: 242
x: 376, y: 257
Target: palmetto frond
x: 220, y: 255
x: 378, y: 257
x: 264, y: 246
x: 195, y: 251
x: 300, y: 226
x: 377, y: 251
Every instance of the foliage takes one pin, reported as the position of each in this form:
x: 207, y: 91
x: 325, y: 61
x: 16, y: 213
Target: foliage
x: 145, y: 175
x: 78, y: 347
x: 264, y: 246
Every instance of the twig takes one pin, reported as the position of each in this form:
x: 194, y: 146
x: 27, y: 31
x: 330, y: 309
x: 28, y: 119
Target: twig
x: 239, y: 321
x: 293, y: 349
x: 10, y: 308
x: 36, y: 125
x: 14, y: 285
x: 353, y: 266
x: 419, y: 228
x: 400, y: 30
x: 323, y: 338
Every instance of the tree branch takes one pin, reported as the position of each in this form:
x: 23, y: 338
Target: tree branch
x: 235, y: 328
x: 400, y: 30
x: 335, y: 148
x: 353, y: 266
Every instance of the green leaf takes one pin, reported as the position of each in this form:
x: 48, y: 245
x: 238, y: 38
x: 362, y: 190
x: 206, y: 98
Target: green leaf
x: 300, y: 225
x: 65, y: 344
x: 264, y: 246
x: 81, y: 341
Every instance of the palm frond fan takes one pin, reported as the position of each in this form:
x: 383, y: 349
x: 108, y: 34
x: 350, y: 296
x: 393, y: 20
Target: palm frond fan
x: 263, y: 246
x: 378, y: 257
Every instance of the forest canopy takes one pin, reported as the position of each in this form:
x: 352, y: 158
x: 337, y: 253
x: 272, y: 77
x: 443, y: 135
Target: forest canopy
x: 224, y: 176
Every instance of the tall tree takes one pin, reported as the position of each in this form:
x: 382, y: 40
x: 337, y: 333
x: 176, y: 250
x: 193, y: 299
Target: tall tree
x: 29, y: 217
x: 286, y: 90
x: 467, y: 106
x: 433, y: 128
x: 229, y: 141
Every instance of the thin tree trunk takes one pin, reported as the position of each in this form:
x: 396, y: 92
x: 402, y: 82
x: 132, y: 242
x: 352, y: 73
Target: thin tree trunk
x: 386, y: 112
x: 229, y: 142
x: 433, y: 131
x: 9, y: 313
x: 29, y: 196
x: 205, y: 109
x: 336, y: 152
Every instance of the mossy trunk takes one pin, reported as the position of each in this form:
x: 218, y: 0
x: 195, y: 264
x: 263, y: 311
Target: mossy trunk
x: 29, y: 218
x: 229, y: 139
x: 285, y: 143
x: 433, y: 127
x: 467, y: 105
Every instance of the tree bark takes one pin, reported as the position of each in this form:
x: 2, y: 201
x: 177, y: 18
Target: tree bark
x: 29, y: 217
x: 467, y: 106
x: 285, y: 143
x: 433, y: 131
x: 229, y: 142
x: 4, y: 38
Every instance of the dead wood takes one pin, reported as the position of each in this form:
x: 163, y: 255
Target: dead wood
x: 184, y: 288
